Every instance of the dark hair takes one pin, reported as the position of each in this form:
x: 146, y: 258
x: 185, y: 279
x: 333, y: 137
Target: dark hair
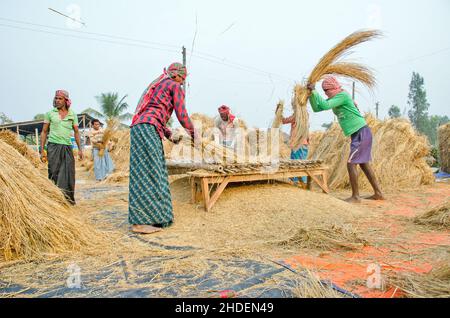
x: 93, y: 121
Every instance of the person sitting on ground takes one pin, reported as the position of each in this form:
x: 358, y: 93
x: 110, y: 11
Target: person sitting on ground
x: 353, y: 124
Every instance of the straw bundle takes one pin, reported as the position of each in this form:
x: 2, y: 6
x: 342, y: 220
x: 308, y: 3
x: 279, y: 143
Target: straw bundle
x: 326, y: 238
x: 438, y: 216
x: 108, y: 134
x: 330, y: 64
x: 278, y: 115
x: 13, y: 140
x: 35, y: 218
x: 436, y: 284
x: 444, y: 147
x: 121, y: 157
x: 398, y: 155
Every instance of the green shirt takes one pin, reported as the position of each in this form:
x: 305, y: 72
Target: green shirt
x: 61, y: 130
x: 349, y: 117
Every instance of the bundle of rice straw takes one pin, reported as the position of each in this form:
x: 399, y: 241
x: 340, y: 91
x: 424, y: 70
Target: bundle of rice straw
x: 121, y: 157
x: 330, y: 64
x: 13, y: 140
x: 444, y: 147
x: 398, y: 152
x: 108, y: 134
x: 278, y: 115
x: 326, y: 238
x: 436, y: 284
x: 438, y: 216
x: 35, y: 218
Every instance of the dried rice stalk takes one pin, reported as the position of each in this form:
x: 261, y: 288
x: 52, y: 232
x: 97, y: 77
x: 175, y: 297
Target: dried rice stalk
x: 108, y: 134
x: 444, y: 147
x: 438, y: 216
x: 436, y: 284
x: 326, y: 238
x: 278, y: 115
x: 13, y: 140
x: 35, y: 218
x: 328, y: 65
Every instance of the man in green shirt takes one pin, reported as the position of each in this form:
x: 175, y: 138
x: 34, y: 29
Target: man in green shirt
x: 61, y: 163
x: 353, y: 124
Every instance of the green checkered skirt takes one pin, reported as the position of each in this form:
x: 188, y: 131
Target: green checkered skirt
x: 150, y: 201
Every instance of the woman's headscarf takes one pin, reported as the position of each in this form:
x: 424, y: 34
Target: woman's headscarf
x: 173, y: 70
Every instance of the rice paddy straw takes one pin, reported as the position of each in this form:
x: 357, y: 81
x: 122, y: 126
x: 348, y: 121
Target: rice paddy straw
x: 35, y: 218
x: 330, y: 64
x: 444, y: 147
x: 13, y: 140
x: 438, y: 216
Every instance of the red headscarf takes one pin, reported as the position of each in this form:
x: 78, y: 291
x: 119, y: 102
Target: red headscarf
x: 64, y: 94
x: 332, y: 86
x: 173, y: 70
x: 226, y: 110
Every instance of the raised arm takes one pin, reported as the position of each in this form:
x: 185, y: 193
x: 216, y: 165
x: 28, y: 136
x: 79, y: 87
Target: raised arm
x: 319, y: 104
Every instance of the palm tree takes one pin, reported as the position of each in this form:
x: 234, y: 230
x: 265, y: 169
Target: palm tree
x: 111, y: 108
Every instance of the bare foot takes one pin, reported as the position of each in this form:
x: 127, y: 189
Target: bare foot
x: 145, y: 229
x: 376, y: 197
x: 353, y: 200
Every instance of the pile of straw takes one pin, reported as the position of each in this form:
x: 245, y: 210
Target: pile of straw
x: 444, y: 147
x: 35, y: 218
x: 436, y: 284
x: 326, y: 238
x: 438, y: 216
x: 120, y: 155
x: 398, y: 152
x: 331, y: 64
x: 13, y: 140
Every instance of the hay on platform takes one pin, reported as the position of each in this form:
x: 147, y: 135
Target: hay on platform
x: 444, y: 147
x: 326, y: 238
x: 13, y: 140
x: 35, y: 218
x: 438, y: 216
x: 398, y: 152
x: 330, y: 64
x: 435, y: 284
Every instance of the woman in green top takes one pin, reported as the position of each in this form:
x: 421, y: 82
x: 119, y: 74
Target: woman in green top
x: 353, y: 124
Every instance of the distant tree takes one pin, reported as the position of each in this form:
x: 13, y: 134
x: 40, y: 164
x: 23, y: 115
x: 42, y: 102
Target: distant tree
x: 394, y: 112
x: 417, y: 101
x: 4, y: 119
x: 39, y: 117
x: 327, y: 126
x: 432, y: 126
x: 111, y: 107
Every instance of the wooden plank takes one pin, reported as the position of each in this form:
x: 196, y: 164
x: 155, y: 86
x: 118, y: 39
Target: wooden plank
x: 217, y: 194
x: 193, y: 190
x: 205, y: 191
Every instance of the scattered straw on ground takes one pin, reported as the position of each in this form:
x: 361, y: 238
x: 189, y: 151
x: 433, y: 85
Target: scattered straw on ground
x: 436, y: 284
x: 438, y: 216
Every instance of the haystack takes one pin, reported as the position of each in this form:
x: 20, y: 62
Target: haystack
x: 438, y: 216
x: 13, y: 140
x: 35, y: 218
x: 444, y: 147
x: 399, y: 155
x: 120, y: 155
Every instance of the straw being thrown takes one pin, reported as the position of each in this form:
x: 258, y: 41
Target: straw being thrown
x: 331, y: 64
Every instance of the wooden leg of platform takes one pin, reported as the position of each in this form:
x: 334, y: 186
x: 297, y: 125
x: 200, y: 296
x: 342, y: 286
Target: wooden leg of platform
x: 217, y: 194
x: 308, y: 182
x: 193, y: 190
x: 320, y: 183
x: 205, y: 192
x: 325, y: 181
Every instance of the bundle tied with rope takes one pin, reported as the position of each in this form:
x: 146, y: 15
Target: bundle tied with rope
x: 331, y: 64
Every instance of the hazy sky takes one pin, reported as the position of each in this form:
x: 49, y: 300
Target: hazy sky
x: 246, y: 54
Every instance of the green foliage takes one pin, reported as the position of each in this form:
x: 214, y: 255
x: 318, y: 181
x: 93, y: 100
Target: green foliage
x: 111, y: 107
x: 39, y: 117
x: 394, y: 112
x: 417, y: 101
x: 4, y: 119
